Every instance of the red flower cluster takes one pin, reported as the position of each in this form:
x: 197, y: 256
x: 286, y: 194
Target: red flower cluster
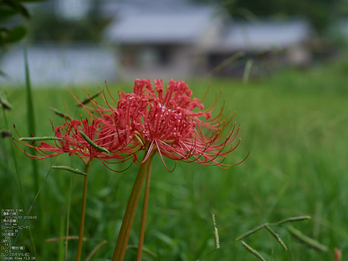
x: 166, y: 121
x: 85, y: 140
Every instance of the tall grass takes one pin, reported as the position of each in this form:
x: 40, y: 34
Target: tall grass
x: 294, y: 125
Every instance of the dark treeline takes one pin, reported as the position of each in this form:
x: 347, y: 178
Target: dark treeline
x: 319, y: 12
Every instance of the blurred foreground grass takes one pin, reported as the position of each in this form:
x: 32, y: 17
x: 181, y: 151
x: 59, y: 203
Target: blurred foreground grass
x: 295, y: 126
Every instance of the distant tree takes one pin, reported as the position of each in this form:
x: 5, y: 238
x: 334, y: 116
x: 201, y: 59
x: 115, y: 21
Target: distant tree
x: 318, y: 12
x: 48, y: 26
x: 12, y: 15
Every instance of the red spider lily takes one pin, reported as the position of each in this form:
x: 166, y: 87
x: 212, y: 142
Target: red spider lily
x: 165, y: 121
x: 172, y: 127
x: 87, y: 141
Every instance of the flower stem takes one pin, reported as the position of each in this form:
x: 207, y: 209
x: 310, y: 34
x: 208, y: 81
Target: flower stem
x: 83, y: 211
x: 143, y: 217
x: 123, y: 237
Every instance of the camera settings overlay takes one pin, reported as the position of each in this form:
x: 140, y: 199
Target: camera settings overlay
x: 12, y: 222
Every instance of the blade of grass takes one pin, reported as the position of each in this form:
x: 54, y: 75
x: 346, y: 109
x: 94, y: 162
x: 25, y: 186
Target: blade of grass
x: 67, y: 221
x: 20, y: 189
x: 64, y: 238
x: 5, y: 104
x: 250, y: 232
x: 95, y: 250
x: 276, y: 236
x: 61, y: 114
x: 247, y: 70
x: 90, y: 98
x: 31, y: 128
x: 216, y: 232
x: 30, y: 117
x: 226, y: 62
x: 61, y: 243
x: 253, y: 251
x: 310, y: 242
x: 293, y: 219
x: 32, y: 204
x: 152, y: 254
x: 276, y: 199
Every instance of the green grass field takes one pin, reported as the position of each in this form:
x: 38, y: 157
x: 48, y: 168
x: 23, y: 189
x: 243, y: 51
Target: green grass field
x: 295, y: 125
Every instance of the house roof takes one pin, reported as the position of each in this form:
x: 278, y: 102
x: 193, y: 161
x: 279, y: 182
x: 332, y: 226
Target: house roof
x: 263, y: 35
x: 163, y: 23
x: 179, y: 22
x: 124, y: 7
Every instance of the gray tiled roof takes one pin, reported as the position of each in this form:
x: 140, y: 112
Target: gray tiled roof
x: 124, y: 7
x: 164, y: 24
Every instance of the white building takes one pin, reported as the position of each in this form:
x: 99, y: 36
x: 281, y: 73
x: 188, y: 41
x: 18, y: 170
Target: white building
x: 177, y: 39
x: 161, y: 38
x: 167, y: 39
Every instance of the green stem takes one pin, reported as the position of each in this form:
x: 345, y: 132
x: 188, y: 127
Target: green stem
x: 67, y: 221
x: 123, y: 237
x: 143, y: 217
x: 83, y: 211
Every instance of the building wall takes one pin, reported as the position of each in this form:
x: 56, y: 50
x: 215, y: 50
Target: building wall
x: 161, y: 61
x: 298, y: 55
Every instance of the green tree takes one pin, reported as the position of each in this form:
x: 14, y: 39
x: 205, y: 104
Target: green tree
x: 12, y: 14
x: 318, y: 12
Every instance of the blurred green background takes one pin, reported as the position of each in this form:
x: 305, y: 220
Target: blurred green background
x: 295, y: 126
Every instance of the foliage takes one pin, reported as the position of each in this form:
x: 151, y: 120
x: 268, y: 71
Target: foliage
x: 48, y: 27
x: 11, y: 14
x: 320, y: 13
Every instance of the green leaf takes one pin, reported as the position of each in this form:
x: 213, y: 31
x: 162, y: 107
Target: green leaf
x: 15, y: 34
x: 24, y: 11
x: 61, y: 114
x: 10, y: 8
x: 70, y: 169
x: 7, y: 11
x: 5, y: 104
